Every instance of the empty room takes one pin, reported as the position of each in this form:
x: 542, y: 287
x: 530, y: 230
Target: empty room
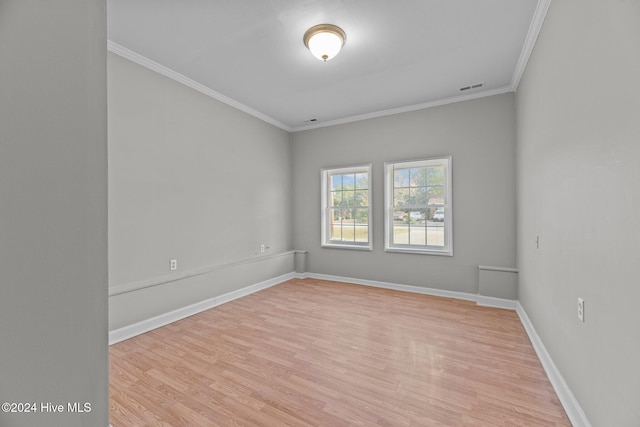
x: 319, y: 213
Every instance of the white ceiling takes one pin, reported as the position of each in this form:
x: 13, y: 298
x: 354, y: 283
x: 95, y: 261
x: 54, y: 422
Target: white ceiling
x: 400, y: 55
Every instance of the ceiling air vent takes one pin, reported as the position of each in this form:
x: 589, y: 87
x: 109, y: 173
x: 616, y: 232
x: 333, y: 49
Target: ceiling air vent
x: 475, y: 86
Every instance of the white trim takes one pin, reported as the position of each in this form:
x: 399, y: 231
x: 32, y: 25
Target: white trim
x: 389, y: 186
x: 325, y: 216
x: 155, y: 281
x: 479, y: 299
x: 394, y: 286
x: 168, y: 72
x: 421, y: 251
x: 406, y: 109
x: 502, y: 269
x: 147, y: 325
x: 353, y: 247
x: 508, y: 304
x: 529, y: 43
x: 570, y: 404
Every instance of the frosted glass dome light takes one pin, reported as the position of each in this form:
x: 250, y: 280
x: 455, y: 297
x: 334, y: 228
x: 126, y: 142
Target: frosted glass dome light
x: 324, y: 41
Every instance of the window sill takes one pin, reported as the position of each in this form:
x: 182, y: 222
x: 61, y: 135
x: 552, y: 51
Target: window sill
x: 419, y: 251
x: 351, y: 247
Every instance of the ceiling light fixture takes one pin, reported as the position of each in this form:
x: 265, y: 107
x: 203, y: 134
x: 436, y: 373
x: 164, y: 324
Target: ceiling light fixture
x: 324, y: 41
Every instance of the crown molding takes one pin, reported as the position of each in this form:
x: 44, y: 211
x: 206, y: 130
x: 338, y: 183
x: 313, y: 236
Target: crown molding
x: 167, y: 72
x: 529, y: 43
x: 408, y: 108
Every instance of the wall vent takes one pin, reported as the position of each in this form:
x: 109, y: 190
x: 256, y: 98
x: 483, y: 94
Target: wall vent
x: 475, y: 86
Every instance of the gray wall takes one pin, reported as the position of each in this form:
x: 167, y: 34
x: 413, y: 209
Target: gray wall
x: 479, y: 134
x: 190, y: 179
x: 53, y: 209
x: 578, y: 173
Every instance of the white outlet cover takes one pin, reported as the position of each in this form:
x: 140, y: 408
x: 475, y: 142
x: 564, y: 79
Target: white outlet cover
x: 581, y: 309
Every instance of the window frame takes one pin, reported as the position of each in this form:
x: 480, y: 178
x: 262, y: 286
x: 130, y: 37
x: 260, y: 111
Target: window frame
x: 325, y: 216
x: 389, y: 246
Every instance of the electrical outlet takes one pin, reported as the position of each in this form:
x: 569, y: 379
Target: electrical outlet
x: 173, y: 265
x: 262, y: 248
x: 580, y: 309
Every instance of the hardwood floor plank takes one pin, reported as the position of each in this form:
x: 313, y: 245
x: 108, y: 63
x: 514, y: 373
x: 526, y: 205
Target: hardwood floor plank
x: 319, y: 353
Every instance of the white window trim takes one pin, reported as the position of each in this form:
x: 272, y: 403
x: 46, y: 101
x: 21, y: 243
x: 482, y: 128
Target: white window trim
x: 388, y: 210
x: 325, y: 242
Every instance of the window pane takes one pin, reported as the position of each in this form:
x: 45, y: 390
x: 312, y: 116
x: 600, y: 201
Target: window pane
x: 362, y: 181
x: 338, y: 228
x: 418, y: 196
x: 436, y: 214
x: 418, y: 177
x: 399, y: 216
x: 409, y: 234
x: 401, y: 178
x: 416, y: 227
x: 336, y: 233
x: 416, y: 216
x: 361, y: 198
x: 336, y: 215
x: 435, y: 235
x: 436, y: 195
x: 361, y: 225
x: 348, y: 182
x: 362, y: 233
x: 401, y: 234
x: 400, y: 197
x: 335, y: 199
x: 346, y: 198
x: 436, y: 175
x: 350, y: 225
x: 361, y: 215
x: 336, y: 182
x: 417, y: 235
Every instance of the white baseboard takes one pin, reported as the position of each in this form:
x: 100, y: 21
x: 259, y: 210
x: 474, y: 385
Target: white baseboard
x: 485, y: 301
x: 147, y: 325
x: 394, y: 286
x: 479, y: 299
x: 571, y: 406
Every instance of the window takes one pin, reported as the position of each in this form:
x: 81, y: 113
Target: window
x: 418, y: 206
x: 346, y: 210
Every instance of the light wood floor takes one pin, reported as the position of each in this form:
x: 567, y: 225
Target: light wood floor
x: 317, y: 353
